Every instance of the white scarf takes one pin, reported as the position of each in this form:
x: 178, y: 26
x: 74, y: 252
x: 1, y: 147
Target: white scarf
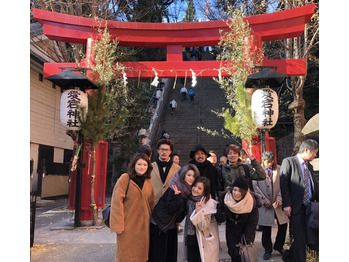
x: 244, y: 206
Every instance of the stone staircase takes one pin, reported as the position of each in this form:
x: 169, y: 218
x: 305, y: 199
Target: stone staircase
x: 182, y: 127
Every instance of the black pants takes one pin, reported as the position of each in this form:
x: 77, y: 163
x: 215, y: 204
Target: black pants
x: 162, y: 246
x: 233, y: 236
x: 193, y: 249
x: 297, y: 225
x: 279, y: 240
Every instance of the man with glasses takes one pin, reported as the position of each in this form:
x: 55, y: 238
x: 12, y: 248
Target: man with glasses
x: 163, y: 168
x: 161, y: 175
x: 298, y: 188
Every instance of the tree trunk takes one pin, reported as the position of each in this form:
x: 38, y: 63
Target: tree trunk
x: 299, y: 48
x: 93, y: 205
x: 297, y: 108
x: 293, y: 51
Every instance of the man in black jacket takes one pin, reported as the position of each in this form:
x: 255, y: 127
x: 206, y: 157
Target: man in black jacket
x: 199, y: 156
x: 298, y: 188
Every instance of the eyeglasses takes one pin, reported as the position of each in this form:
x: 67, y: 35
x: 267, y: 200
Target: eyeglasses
x: 164, y: 149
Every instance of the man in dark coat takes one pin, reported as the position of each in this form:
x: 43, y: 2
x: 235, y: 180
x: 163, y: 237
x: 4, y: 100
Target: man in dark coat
x: 199, y: 156
x: 298, y: 188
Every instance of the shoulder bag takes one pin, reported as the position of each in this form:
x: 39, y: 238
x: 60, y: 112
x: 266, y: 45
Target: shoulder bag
x: 106, y: 211
x: 248, y: 252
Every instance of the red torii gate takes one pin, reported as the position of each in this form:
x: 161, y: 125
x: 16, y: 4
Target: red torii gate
x: 173, y: 37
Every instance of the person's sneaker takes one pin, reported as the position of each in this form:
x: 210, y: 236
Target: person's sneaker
x: 266, y: 255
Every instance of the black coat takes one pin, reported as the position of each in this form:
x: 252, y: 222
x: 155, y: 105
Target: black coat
x: 168, y: 210
x: 210, y: 171
x: 292, y: 185
x: 238, y: 224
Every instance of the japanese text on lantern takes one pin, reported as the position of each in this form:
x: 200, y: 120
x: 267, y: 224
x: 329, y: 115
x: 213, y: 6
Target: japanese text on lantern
x: 72, y: 105
x: 267, y: 106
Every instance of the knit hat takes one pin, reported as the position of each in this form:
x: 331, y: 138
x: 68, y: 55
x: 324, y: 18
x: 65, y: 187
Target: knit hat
x: 198, y: 147
x: 240, y: 182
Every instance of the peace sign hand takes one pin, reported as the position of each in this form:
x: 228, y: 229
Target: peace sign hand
x: 200, y: 204
x: 175, y: 189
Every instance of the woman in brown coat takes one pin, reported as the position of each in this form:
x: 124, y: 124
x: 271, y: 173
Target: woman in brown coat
x: 130, y: 218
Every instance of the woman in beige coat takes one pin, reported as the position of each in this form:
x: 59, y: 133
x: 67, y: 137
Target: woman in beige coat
x: 269, y: 192
x: 130, y: 218
x: 205, y: 227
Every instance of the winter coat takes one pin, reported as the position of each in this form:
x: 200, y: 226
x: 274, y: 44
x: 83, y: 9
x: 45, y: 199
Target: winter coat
x: 253, y: 172
x: 168, y: 210
x: 132, y: 218
x: 207, y: 231
x: 210, y: 171
x: 238, y: 224
x: 267, y: 190
x: 159, y: 187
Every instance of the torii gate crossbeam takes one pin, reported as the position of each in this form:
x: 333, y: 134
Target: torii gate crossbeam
x: 173, y: 37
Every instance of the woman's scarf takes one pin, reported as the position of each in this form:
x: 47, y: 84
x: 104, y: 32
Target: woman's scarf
x: 181, y: 186
x: 244, y: 206
x: 191, y: 206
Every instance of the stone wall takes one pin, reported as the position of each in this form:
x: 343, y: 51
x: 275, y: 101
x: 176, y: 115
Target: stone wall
x: 284, y: 147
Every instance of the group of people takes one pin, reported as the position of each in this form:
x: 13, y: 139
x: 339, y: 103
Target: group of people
x: 151, y: 199
x: 184, y: 93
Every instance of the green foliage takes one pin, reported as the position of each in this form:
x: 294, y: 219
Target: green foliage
x: 106, y: 70
x: 241, y: 55
x: 97, y: 121
x: 190, y: 13
x: 105, y: 112
x: 231, y: 123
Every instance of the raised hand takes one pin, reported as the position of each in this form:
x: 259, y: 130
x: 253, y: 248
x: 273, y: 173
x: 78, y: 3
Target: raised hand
x: 250, y: 156
x: 175, y: 189
x: 200, y: 204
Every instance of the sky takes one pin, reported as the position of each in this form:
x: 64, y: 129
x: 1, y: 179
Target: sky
x: 179, y: 7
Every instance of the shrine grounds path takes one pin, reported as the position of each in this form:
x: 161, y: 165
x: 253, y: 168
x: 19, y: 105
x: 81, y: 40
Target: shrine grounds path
x: 56, y: 240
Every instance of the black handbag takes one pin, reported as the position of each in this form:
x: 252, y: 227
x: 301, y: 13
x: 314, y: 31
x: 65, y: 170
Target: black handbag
x: 106, y: 211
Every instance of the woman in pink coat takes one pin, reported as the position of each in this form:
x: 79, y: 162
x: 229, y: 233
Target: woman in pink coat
x: 204, y: 244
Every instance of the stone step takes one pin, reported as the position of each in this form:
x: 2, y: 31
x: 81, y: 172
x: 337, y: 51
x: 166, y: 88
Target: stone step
x: 182, y: 127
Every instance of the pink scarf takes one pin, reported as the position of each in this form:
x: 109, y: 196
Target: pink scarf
x: 244, y: 206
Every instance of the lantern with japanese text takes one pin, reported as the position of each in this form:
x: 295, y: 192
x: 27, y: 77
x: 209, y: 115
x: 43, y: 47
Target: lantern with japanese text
x: 265, y: 108
x: 70, y: 101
